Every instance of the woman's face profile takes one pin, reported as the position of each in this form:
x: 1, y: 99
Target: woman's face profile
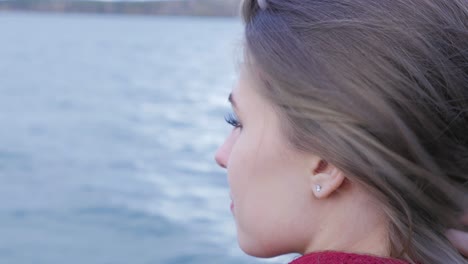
x: 267, y: 179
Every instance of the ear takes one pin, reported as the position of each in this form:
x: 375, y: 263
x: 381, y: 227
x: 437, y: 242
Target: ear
x: 324, y: 179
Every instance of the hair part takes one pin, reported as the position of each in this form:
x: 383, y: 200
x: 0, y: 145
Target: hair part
x: 380, y: 90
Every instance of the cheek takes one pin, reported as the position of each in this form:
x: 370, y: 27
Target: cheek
x: 261, y: 181
x: 254, y: 165
x: 239, y: 158
x: 252, y: 177
x: 245, y: 154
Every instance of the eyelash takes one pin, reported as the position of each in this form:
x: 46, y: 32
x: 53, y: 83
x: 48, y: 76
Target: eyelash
x: 232, y: 120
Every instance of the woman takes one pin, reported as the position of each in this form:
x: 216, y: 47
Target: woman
x: 350, y: 140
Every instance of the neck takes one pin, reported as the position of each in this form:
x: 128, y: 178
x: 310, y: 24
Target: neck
x: 355, y: 225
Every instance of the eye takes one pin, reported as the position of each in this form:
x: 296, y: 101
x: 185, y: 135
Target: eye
x: 232, y: 120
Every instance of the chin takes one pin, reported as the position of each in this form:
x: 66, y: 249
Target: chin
x: 258, y: 249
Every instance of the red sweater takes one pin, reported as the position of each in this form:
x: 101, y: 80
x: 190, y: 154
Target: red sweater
x: 331, y: 257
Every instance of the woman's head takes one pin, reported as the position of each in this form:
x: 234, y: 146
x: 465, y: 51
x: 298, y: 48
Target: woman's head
x: 277, y: 203
x: 373, y: 94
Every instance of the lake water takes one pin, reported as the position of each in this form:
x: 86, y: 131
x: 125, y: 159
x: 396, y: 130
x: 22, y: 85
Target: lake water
x: 109, y: 125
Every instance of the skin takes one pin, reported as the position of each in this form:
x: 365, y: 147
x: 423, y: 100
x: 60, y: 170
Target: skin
x: 276, y: 205
x: 460, y: 239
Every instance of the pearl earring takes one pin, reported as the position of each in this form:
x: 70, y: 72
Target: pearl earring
x: 318, y: 188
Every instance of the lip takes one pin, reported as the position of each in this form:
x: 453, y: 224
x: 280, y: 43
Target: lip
x: 232, y: 207
x: 232, y: 203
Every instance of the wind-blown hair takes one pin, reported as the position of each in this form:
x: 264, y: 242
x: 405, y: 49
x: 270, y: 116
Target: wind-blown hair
x: 380, y: 90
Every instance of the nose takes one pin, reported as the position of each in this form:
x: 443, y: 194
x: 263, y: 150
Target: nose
x: 223, y: 152
x: 221, y: 157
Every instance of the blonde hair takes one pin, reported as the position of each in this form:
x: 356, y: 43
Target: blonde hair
x: 380, y: 90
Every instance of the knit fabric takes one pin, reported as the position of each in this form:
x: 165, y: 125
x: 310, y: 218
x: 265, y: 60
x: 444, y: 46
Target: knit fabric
x: 331, y: 257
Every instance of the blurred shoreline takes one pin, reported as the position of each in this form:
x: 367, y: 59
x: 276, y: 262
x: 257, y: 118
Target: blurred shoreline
x: 209, y: 8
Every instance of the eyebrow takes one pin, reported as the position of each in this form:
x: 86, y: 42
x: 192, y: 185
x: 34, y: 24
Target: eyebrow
x: 232, y: 101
